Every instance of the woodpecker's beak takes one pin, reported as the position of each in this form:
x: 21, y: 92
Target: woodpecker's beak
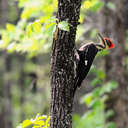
x: 105, y: 43
x: 102, y: 41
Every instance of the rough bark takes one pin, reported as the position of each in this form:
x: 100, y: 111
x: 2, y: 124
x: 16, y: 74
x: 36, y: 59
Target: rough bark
x: 62, y: 66
x: 112, y: 25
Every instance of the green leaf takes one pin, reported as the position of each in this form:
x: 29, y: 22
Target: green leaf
x: 37, y: 27
x: 96, y: 92
x: 111, y: 125
x: 96, y: 6
x: 21, y: 24
x: 93, y: 69
x: 63, y: 25
x: 114, y: 84
x: 10, y: 27
x: 76, y: 120
x: 93, y: 119
x: 103, y: 53
x: 19, y: 126
x: 97, y: 103
x: 100, y: 74
x: 48, y: 122
x: 87, y: 99
x: 107, y: 88
x: 29, y: 29
x: 11, y: 47
x: 111, y: 5
x: 93, y: 33
x: 26, y: 123
x: 109, y: 114
x: 95, y: 82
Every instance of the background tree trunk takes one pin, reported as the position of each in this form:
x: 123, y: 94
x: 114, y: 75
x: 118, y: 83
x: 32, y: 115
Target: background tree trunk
x: 7, y: 106
x: 62, y: 69
x: 6, y: 114
x: 112, y: 25
x: 21, y: 82
x: 3, y: 11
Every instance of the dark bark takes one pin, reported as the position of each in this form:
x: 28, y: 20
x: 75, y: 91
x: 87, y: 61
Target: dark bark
x: 112, y: 24
x: 62, y: 69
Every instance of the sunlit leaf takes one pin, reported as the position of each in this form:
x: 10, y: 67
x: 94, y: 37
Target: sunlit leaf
x: 87, y: 4
x: 10, y: 27
x: 11, y: 47
x: 26, y: 123
x: 29, y: 29
x: 63, y: 25
x: 87, y: 99
x: 98, y: 4
x: 19, y: 126
x: 37, y: 27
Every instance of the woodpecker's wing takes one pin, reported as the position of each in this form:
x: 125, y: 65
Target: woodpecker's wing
x: 86, y: 56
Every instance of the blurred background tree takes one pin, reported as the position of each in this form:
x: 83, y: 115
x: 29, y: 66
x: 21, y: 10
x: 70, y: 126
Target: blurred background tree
x: 26, y: 30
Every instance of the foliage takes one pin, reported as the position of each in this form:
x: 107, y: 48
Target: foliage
x: 32, y: 36
x: 93, y: 5
x: 111, y: 6
x: 41, y: 121
x: 97, y: 115
x: 89, y: 5
x: 33, y: 32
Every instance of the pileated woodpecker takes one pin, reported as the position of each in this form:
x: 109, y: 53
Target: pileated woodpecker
x: 85, y: 56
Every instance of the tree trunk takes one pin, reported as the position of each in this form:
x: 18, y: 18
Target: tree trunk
x: 62, y: 66
x: 112, y: 25
x: 6, y: 88
x: 3, y: 12
x: 7, y: 106
x: 21, y: 83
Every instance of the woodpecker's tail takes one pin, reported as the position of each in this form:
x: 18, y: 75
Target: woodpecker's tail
x: 77, y: 84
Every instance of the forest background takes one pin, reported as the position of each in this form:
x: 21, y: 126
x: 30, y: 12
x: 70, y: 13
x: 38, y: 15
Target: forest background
x: 26, y: 31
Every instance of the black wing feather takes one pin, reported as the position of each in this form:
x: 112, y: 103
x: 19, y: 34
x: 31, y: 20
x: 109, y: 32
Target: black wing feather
x: 88, y: 55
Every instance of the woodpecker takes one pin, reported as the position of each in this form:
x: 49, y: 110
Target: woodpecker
x: 85, y: 56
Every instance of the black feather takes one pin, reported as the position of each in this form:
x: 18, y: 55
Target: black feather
x: 86, y: 57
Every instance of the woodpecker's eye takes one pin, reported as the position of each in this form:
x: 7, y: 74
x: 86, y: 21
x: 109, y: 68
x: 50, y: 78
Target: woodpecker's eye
x: 108, y: 43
